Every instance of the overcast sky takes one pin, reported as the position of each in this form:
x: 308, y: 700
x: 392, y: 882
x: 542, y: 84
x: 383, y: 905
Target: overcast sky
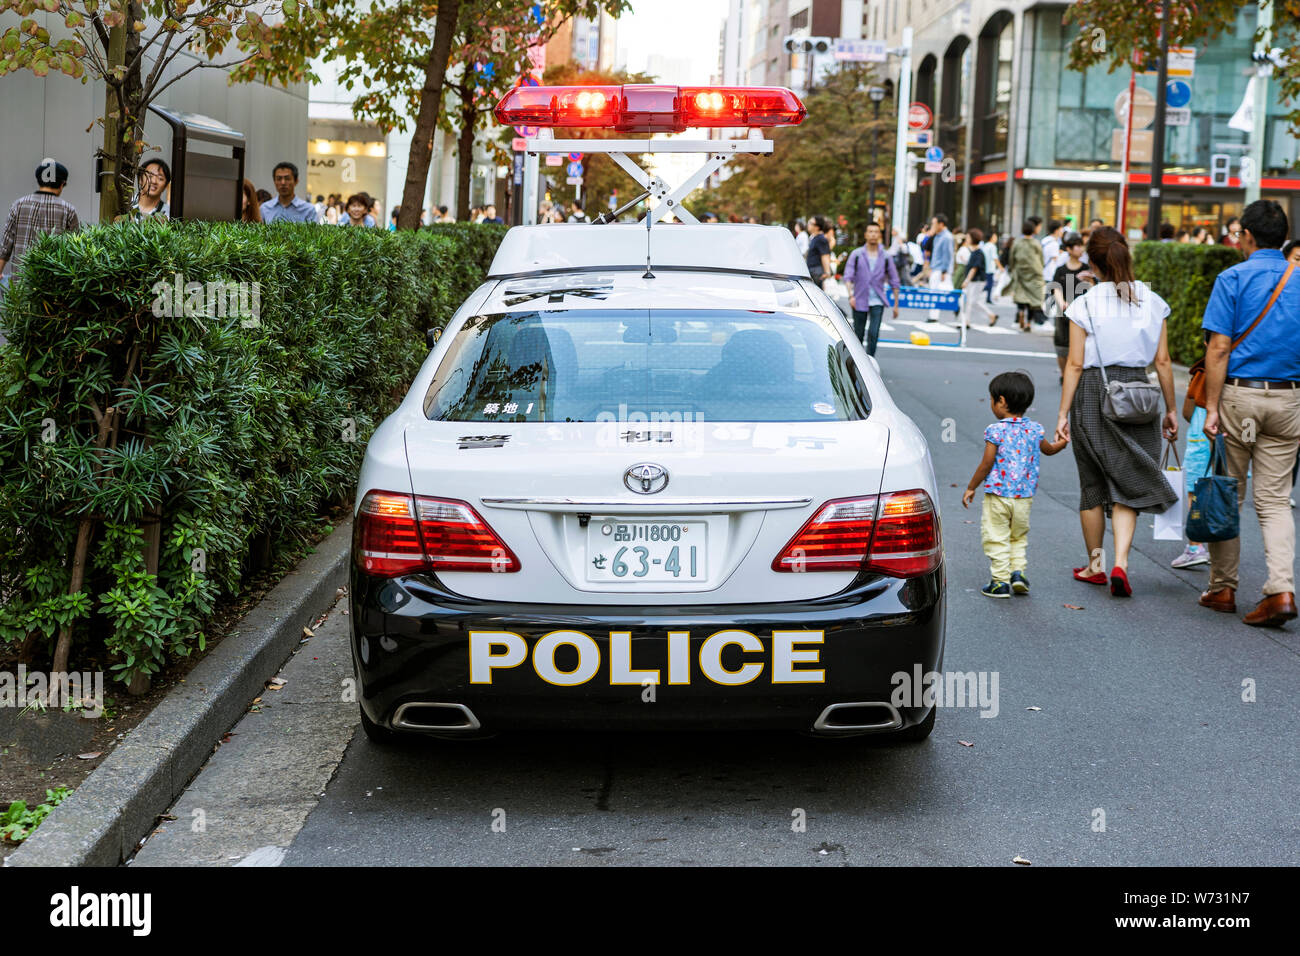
x: 685, y: 29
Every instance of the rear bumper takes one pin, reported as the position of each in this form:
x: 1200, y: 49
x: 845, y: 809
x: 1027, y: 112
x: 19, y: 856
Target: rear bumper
x: 411, y: 645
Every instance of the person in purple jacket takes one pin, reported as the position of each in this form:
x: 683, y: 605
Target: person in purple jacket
x: 866, y: 272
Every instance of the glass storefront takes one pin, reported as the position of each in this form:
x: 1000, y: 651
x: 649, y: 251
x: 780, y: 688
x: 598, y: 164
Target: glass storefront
x: 987, y: 208
x: 1072, y: 118
x: 1085, y: 203
x: 346, y: 166
x: 1081, y: 203
x: 1072, y: 123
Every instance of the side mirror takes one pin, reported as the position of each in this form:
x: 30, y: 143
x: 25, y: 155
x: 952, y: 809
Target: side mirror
x: 432, y: 335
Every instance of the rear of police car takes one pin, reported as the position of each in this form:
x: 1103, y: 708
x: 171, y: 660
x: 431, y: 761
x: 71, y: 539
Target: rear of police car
x: 631, y: 496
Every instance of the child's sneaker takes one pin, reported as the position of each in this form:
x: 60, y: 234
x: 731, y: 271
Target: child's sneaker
x: 997, y: 589
x: 1192, y: 556
x: 1019, y: 583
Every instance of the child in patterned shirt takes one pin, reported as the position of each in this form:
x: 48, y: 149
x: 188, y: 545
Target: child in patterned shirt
x: 1009, y: 469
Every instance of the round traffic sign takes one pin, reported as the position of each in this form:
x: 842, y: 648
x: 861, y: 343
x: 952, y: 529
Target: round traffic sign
x: 575, y: 157
x: 919, y: 116
x: 1178, y: 93
x: 934, y: 154
x: 1145, y: 112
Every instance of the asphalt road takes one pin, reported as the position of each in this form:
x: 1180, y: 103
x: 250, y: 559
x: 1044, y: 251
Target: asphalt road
x: 1121, y: 736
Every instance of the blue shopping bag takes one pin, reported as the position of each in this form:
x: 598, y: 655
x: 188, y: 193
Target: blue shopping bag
x: 1212, y: 514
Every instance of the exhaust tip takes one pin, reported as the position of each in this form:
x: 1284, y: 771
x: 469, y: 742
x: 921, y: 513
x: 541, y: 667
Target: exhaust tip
x: 424, y: 715
x: 870, y: 716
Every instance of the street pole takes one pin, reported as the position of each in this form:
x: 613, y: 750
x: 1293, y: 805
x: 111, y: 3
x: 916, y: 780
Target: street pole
x: 1128, y: 141
x: 875, y: 142
x: 1262, y: 71
x: 1156, y: 201
x: 531, y: 173
x: 900, y: 151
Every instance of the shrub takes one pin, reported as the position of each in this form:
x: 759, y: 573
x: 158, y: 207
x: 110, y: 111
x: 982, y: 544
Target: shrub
x: 1183, y: 275
x: 160, y: 422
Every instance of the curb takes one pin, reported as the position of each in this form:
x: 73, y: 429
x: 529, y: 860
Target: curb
x: 103, y: 820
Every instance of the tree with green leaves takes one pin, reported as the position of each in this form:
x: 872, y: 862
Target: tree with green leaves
x: 822, y: 166
x: 403, y: 52
x: 132, y: 47
x: 1114, y: 32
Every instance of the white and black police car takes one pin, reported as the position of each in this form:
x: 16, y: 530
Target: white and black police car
x: 647, y: 478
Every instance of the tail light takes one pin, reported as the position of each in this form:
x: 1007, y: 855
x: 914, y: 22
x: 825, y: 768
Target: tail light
x: 647, y: 108
x: 398, y: 534
x: 895, y: 533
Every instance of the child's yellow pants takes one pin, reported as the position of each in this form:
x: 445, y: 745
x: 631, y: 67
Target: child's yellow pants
x: 1004, y: 530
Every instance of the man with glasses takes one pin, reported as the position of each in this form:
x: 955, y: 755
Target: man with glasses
x: 155, y: 177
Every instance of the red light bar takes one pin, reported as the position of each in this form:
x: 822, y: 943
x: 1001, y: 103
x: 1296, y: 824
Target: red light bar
x: 645, y: 108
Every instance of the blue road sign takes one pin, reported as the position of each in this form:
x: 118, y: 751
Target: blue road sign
x: 575, y: 169
x: 575, y: 157
x: 1178, y: 93
x: 915, y: 297
x: 934, y: 154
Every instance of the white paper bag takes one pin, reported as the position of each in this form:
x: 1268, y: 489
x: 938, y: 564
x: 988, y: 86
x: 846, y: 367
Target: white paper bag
x: 1169, y: 524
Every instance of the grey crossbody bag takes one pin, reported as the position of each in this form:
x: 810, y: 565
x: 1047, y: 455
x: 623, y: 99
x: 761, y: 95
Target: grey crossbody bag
x: 1131, y: 403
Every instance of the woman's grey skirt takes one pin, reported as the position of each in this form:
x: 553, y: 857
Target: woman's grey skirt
x: 1118, y: 463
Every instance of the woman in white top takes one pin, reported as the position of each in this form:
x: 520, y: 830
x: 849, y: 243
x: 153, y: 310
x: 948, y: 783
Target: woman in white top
x: 1119, y: 470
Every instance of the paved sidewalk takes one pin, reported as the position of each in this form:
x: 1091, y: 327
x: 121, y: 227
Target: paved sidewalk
x: 252, y: 797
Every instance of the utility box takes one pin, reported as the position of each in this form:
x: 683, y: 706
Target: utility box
x: 207, y: 183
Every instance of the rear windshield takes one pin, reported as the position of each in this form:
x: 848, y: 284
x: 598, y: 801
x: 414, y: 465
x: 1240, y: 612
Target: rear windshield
x: 673, y: 365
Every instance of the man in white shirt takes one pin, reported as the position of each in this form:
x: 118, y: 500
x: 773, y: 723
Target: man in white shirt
x: 801, y: 237
x: 1052, y: 248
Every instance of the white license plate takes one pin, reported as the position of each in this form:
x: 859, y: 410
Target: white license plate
x: 623, y: 549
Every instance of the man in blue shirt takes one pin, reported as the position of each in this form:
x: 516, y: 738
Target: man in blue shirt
x: 287, y: 207
x: 941, y: 259
x: 1252, y: 397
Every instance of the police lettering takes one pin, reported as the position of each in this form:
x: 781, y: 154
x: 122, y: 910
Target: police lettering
x: 790, y: 663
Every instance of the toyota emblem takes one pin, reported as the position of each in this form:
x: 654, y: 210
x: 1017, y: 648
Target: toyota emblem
x: 646, y: 478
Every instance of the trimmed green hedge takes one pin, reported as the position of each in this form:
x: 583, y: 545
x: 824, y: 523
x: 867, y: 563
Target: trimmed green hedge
x: 1183, y: 275
x: 243, y: 411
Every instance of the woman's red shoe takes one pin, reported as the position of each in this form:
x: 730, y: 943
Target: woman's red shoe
x: 1119, y: 585
x: 1098, y: 578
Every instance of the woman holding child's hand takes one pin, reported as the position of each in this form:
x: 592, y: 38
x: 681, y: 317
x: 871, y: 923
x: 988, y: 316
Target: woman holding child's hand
x: 1118, y: 325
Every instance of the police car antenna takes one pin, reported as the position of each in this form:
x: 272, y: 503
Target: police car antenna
x: 648, y: 273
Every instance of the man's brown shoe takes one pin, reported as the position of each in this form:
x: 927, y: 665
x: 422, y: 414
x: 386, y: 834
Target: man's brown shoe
x: 1224, y: 599
x: 1274, y: 611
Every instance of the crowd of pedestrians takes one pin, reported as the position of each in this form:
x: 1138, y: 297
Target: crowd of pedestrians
x: 1110, y: 329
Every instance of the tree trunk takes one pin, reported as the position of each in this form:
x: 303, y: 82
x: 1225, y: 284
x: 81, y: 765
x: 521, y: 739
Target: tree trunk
x: 426, y: 119
x: 108, y: 423
x: 109, y: 205
x: 123, y: 121
x: 465, y: 158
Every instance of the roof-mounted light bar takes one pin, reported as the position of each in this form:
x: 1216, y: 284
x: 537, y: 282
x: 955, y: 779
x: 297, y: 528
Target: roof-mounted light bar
x: 646, y: 108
